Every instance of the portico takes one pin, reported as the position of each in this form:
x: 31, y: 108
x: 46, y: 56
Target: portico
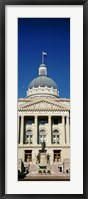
x: 39, y: 126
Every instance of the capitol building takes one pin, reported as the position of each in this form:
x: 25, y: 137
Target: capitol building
x: 44, y: 117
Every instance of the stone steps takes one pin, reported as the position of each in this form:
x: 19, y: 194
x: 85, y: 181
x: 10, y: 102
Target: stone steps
x: 34, y: 168
x: 54, y: 169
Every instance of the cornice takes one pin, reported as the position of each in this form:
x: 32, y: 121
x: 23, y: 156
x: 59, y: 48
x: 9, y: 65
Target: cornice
x: 42, y: 110
x: 47, y: 147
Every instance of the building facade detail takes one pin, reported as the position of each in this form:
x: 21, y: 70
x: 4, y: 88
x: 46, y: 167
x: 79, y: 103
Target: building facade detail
x: 44, y: 117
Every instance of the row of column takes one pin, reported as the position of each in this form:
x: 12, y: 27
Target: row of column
x: 65, y: 130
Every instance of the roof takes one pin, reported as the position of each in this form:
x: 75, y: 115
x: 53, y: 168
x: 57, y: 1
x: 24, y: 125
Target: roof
x: 43, y: 81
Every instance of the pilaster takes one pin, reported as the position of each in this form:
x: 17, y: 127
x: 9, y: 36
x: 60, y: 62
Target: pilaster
x: 49, y: 130
x: 18, y: 130
x: 67, y: 129
x: 35, y: 134
x: 63, y: 129
x: 22, y: 130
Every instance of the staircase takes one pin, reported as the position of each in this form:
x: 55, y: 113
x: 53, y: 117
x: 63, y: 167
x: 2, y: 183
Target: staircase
x: 33, y: 169
x: 54, y: 169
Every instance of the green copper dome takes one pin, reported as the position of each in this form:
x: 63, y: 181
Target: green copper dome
x: 42, y: 81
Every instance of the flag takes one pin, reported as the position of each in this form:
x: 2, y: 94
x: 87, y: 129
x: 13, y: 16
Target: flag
x: 44, y: 53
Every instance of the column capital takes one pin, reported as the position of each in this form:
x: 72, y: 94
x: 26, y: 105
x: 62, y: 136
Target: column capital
x: 22, y: 116
x: 36, y: 116
x: 67, y: 119
x: 49, y: 116
x: 63, y: 116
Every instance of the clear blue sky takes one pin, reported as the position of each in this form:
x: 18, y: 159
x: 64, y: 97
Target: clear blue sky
x: 51, y: 35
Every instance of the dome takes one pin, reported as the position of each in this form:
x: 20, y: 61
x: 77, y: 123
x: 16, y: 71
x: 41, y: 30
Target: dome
x: 42, y: 65
x: 42, y: 81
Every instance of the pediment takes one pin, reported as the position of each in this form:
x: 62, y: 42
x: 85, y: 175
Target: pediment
x: 42, y: 104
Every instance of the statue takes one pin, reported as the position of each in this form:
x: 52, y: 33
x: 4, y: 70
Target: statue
x: 43, y: 146
x: 48, y: 158
x: 38, y: 158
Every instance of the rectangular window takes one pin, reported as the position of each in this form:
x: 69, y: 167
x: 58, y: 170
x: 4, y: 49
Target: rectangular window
x: 60, y: 119
x: 29, y: 120
x: 28, y: 155
x: 42, y: 138
x: 29, y: 139
x: 55, y: 121
x: 57, y: 156
x: 43, y: 120
x: 56, y: 139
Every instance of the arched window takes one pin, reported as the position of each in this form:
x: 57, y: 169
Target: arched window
x: 29, y: 137
x: 42, y: 136
x: 56, y: 137
x: 42, y: 132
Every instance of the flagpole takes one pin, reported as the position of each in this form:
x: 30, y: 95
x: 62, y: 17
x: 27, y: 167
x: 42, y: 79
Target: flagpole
x: 42, y: 58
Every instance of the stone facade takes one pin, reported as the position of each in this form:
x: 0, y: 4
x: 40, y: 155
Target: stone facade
x: 44, y: 117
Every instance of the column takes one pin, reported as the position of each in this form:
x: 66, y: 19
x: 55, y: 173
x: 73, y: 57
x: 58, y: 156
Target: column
x: 49, y: 127
x: 63, y: 129
x: 67, y: 129
x: 22, y: 130
x: 35, y: 132
x: 18, y: 130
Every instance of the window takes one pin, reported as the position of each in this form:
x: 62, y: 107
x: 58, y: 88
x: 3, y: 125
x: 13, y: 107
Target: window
x: 43, y: 120
x: 60, y: 119
x: 29, y: 137
x: 57, y: 155
x: 56, y: 137
x: 28, y: 155
x: 57, y: 120
x: 29, y: 120
x: 42, y: 136
x: 42, y: 132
